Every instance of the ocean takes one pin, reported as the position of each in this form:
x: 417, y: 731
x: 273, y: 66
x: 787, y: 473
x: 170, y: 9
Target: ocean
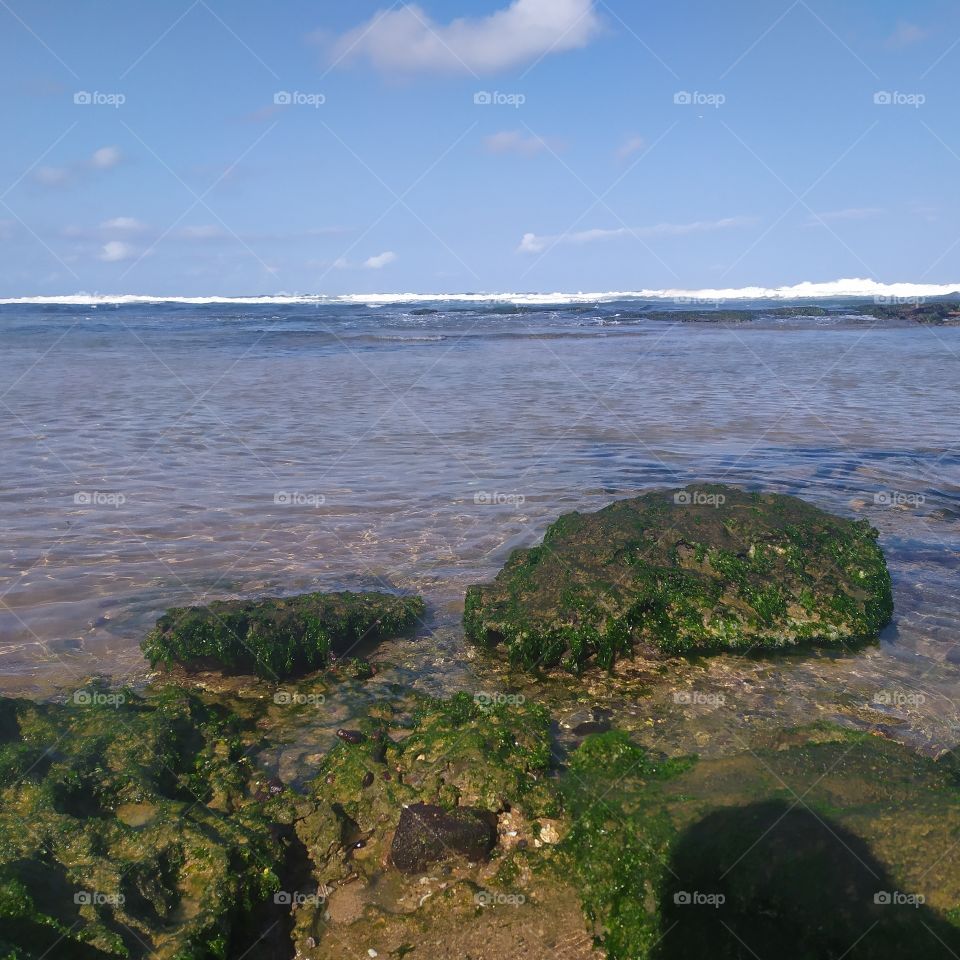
x: 164, y: 453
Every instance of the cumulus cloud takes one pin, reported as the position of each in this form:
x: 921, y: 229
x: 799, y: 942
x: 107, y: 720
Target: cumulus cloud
x: 407, y: 40
x: 115, y: 251
x: 105, y: 158
x: 380, y: 261
x: 535, y: 243
x: 513, y: 141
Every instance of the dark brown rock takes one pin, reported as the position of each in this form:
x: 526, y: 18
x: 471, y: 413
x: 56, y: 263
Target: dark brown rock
x: 428, y: 834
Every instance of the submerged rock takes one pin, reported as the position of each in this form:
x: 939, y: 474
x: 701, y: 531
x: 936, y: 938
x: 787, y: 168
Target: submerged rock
x: 697, y: 570
x: 428, y: 834
x: 277, y: 637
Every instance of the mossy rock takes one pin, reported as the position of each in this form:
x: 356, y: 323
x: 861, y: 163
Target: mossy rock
x: 703, y: 569
x: 278, y: 637
x: 466, y: 760
x: 127, y: 830
x: 831, y: 847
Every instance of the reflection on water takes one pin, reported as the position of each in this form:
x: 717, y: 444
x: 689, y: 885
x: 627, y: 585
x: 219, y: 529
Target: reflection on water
x: 159, y: 455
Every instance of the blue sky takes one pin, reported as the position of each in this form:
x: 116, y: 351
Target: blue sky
x: 627, y: 145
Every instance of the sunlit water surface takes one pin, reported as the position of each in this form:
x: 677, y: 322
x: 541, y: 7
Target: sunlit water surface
x: 164, y: 455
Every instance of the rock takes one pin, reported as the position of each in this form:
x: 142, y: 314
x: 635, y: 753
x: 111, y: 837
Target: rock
x: 100, y: 798
x: 278, y: 637
x: 350, y: 736
x: 549, y: 833
x: 591, y: 726
x: 584, y: 722
x: 698, y: 570
x: 428, y: 834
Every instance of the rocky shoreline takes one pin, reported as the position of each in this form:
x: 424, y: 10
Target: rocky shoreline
x: 499, y: 821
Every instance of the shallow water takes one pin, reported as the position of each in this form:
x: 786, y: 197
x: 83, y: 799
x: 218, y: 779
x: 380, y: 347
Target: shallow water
x: 168, y: 454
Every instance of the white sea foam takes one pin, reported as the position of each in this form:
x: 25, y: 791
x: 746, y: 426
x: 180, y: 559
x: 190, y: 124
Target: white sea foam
x: 853, y: 288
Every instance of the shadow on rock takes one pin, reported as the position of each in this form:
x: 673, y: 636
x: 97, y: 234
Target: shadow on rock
x: 772, y: 880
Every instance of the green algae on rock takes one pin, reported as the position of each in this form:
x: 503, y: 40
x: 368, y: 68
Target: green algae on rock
x: 702, y: 569
x: 278, y: 637
x: 830, y: 847
x: 460, y: 758
x: 127, y: 830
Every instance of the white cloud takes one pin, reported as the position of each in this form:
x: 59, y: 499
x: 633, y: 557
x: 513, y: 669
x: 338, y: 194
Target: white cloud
x: 906, y: 34
x: 52, y: 176
x: 380, y: 261
x: 512, y: 141
x: 114, y: 251
x: 105, y: 158
x: 409, y: 41
x: 535, y: 243
x: 130, y: 224
x: 629, y: 148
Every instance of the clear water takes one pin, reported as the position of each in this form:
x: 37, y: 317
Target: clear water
x: 158, y: 455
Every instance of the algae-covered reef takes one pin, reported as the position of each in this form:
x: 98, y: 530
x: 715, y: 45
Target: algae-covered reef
x: 831, y: 846
x: 702, y: 569
x: 137, y: 826
x: 279, y: 637
x: 127, y: 829
x: 419, y: 782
